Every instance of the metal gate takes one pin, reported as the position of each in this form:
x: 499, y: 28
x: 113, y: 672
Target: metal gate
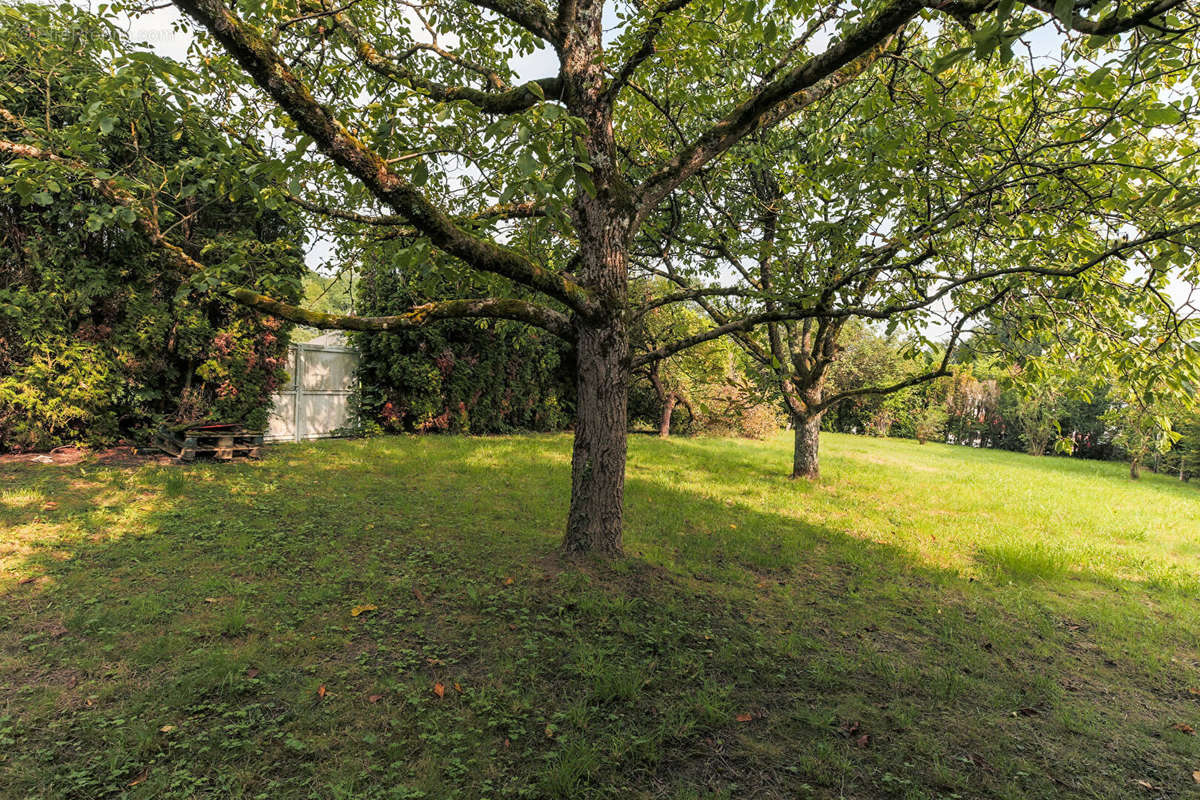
x: 315, y: 401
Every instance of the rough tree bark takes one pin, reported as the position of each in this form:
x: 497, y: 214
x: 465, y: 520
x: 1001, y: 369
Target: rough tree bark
x: 603, y: 221
x: 806, y: 456
x: 664, y: 427
x: 598, y: 458
x: 806, y: 420
x: 668, y: 400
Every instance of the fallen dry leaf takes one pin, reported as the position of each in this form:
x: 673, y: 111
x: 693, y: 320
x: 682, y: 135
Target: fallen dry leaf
x: 744, y: 717
x: 1196, y: 776
x: 26, y: 579
x: 166, y: 728
x: 252, y: 673
x: 1145, y: 784
x: 507, y: 744
x: 1194, y: 692
x: 863, y: 740
x: 354, y: 612
x: 458, y: 688
x: 417, y: 594
x: 439, y: 690
x: 374, y: 698
x: 508, y: 581
x: 321, y: 692
x: 50, y: 506
x: 1184, y: 728
x: 140, y: 778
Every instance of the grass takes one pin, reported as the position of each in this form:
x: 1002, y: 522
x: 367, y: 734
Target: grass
x: 927, y: 622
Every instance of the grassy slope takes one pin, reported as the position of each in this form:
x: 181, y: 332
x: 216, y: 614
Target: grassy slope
x: 927, y: 622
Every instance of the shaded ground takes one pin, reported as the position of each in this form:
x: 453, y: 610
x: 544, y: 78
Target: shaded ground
x: 927, y: 622
x: 109, y: 456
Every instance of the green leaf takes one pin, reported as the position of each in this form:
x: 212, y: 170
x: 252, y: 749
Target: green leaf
x: 1064, y: 10
x: 585, y: 181
x: 527, y: 165
x: 107, y: 124
x: 420, y: 174
x: 950, y: 59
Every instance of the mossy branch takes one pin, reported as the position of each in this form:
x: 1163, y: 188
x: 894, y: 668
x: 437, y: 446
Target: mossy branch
x: 486, y: 308
x: 269, y: 71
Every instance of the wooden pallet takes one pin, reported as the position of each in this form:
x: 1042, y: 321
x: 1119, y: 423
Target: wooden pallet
x: 222, y: 442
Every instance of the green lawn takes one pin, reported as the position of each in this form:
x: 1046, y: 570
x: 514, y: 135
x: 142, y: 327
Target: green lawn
x: 926, y: 622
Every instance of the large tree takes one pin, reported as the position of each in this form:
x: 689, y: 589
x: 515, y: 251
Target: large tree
x: 412, y: 118
x: 964, y: 192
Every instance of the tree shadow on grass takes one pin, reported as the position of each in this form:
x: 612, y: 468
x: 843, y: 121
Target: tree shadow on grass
x: 206, y: 644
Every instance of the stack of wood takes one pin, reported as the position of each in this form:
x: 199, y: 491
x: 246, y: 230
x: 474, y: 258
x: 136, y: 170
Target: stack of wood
x: 222, y: 441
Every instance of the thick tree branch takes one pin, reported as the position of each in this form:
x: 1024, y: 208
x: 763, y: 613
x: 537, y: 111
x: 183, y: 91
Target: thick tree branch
x: 268, y: 71
x: 493, y: 308
x: 529, y: 14
x: 795, y: 312
x: 695, y: 294
x: 1112, y: 24
x: 820, y: 75
x: 511, y: 101
x: 809, y: 82
x: 500, y: 211
x: 487, y: 308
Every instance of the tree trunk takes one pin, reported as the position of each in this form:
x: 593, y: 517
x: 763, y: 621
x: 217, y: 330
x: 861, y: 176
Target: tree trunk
x: 806, y: 456
x: 602, y: 223
x: 664, y: 428
x: 1135, y: 470
x: 598, y: 459
x: 668, y: 400
x: 687, y: 406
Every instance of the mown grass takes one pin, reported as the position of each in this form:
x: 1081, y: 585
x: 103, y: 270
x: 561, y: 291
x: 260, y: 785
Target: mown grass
x: 927, y: 622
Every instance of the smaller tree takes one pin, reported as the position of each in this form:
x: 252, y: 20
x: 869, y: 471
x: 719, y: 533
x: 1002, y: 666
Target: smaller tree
x: 1140, y: 428
x: 1038, y: 412
x: 691, y: 379
x: 931, y: 424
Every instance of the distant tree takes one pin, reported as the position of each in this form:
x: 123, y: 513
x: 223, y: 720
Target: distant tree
x: 1041, y: 405
x: 1187, y: 447
x: 328, y: 294
x: 690, y: 379
x: 866, y: 358
x: 931, y: 424
x: 1139, y: 429
x: 973, y: 404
